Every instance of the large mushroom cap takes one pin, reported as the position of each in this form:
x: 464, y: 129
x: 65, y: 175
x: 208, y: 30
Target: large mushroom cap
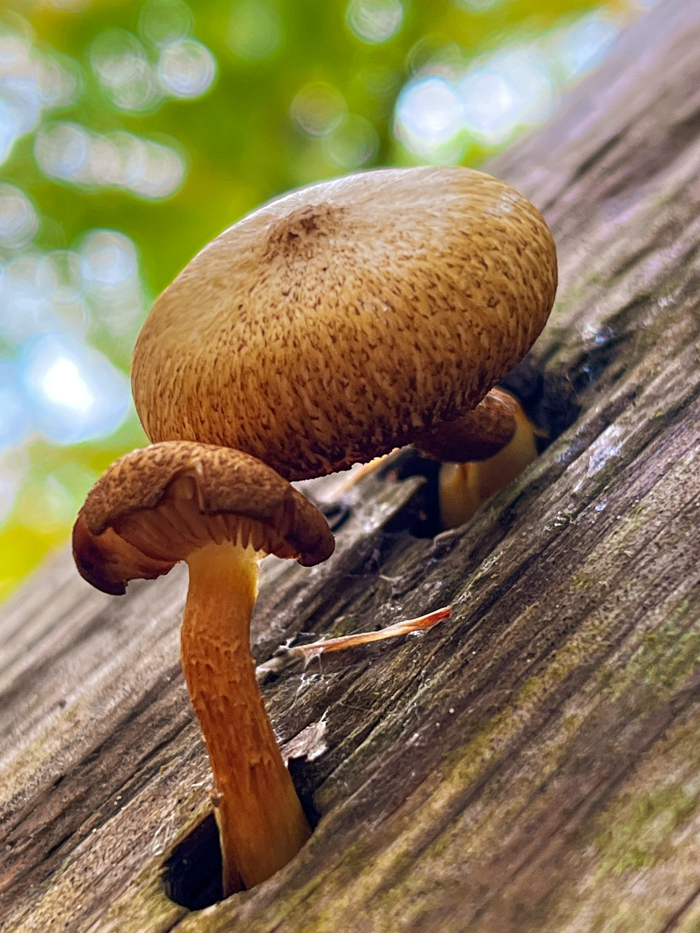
x: 340, y: 320
x: 155, y: 506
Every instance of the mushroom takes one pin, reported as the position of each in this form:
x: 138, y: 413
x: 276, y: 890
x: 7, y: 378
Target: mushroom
x: 220, y: 511
x: 463, y: 487
x: 479, y: 453
x: 477, y: 435
x: 347, y: 318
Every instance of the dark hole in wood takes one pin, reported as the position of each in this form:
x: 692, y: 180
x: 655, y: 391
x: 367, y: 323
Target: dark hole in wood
x: 548, y: 397
x: 192, y: 875
x: 337, y: 513
x: 421, y: 516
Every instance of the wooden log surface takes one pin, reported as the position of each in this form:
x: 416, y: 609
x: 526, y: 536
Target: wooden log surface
x: 531, y: 764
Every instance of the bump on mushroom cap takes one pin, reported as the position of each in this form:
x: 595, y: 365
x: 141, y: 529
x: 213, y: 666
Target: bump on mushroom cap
x: 224, y: 484
x: 338, y: 321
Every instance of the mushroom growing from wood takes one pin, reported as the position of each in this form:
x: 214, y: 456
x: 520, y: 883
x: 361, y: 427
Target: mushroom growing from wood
x: 471, y: 471
x: 349, y: 318
x: 220, y: 511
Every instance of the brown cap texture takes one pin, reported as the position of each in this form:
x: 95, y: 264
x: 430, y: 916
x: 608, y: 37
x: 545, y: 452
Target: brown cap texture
x: 341, y: 320
x: 477, y: 435
x: 156, y: 505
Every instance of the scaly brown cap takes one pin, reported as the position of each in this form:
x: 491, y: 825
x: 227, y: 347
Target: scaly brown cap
x: 156, y: 505
x: 341, y: 320
x: 477, y: 435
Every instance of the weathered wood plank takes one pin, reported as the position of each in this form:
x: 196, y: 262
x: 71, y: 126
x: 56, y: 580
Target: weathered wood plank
x: 529, y: 765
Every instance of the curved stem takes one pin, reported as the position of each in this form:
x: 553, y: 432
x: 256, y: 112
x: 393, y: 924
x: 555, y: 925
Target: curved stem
x: 261, y: 822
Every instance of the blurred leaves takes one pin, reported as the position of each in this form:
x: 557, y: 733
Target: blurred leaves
x: 241, y: 146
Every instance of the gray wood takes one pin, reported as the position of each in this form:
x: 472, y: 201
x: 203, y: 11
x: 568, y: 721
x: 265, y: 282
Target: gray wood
x: 530, y: 764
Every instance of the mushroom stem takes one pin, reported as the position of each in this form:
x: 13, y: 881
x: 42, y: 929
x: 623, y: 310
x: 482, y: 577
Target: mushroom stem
x: 261, y: 821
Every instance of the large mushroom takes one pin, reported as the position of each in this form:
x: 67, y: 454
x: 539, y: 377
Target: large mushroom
x: 349, y: 318
x: 219, y: 510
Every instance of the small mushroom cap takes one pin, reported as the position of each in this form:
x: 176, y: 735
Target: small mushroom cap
x: 156, y: 505
x: 477, y: 435
x: 335, y: 323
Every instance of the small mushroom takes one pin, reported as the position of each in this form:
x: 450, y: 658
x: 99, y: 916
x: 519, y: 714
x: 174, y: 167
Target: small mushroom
x: 463, y: 487
x: 347, y: 318
x: 476, y: 435
x: 220, y: 511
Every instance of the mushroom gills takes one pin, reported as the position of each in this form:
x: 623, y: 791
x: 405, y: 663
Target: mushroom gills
x: 178, y: 527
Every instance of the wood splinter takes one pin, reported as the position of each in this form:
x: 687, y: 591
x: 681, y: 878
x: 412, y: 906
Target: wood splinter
x: 407, y: 627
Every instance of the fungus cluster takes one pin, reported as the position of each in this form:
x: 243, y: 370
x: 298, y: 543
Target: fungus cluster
x: 324, y: 329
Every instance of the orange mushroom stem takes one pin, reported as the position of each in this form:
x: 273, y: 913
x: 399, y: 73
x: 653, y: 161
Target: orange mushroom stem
x: 261, y: 822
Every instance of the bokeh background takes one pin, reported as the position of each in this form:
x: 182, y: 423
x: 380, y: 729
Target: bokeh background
x: 133, y: 132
